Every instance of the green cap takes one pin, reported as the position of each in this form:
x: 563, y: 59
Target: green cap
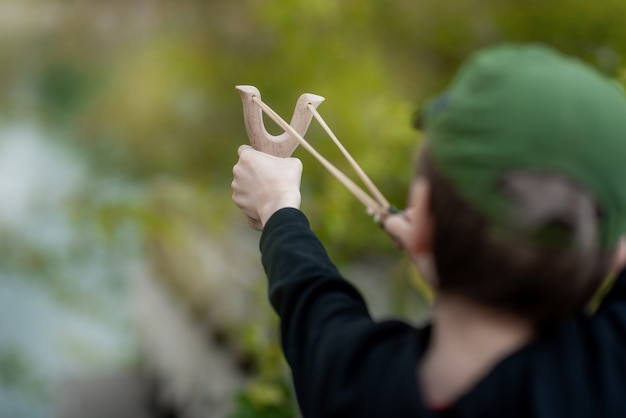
x: 528, y: 107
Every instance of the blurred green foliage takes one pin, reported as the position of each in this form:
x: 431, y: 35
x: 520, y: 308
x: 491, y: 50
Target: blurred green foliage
x: 265, y: 401
x: 148, y: 86
x: 146, y: 90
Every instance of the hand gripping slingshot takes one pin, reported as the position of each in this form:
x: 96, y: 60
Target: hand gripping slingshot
x: 285, y: 144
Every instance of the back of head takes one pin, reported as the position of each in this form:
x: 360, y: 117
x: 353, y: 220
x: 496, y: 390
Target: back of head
x: 525, y: 156
x: 545, y: 266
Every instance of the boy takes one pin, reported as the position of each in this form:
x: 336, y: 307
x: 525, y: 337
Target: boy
x: 516, y: 215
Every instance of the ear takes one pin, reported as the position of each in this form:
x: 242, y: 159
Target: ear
x: 420, y: 241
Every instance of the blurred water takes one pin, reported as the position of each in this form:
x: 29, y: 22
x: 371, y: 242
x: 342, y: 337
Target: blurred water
x: 63, y: 288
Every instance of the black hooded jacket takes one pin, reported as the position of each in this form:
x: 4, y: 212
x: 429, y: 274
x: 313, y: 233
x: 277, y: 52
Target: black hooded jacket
x: 346, y: 365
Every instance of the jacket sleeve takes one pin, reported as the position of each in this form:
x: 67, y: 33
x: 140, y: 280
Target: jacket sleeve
x: 339, y: 358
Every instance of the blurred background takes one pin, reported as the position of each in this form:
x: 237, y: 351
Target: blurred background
x: 130, y: 285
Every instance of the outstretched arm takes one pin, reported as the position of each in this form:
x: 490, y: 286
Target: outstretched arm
x: 340, y: 358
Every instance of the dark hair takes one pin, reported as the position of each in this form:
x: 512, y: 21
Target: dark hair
x: 544, y: 263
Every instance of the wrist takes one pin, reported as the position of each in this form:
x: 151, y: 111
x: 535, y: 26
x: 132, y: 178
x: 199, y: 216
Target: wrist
x: 266, y: 212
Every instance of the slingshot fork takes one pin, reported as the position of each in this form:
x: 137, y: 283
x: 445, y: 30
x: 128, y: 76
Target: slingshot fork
x: 285, y: 144
x: 277, y: 145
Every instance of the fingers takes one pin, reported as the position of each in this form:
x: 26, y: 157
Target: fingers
x: 263, y: 183
x: 399, y: 228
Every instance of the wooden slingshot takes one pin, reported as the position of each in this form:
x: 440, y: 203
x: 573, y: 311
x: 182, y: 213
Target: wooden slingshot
x: 285, y: 144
